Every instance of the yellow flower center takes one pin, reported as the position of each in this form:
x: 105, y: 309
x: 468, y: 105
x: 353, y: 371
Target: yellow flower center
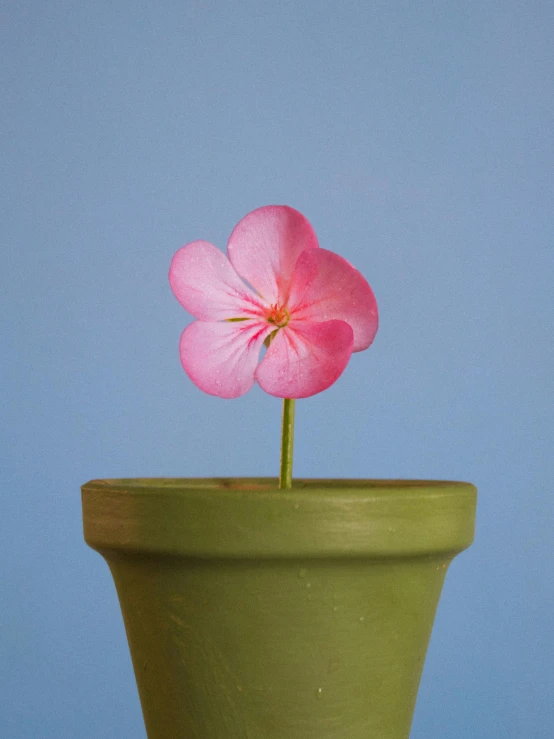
x: 278, y: 316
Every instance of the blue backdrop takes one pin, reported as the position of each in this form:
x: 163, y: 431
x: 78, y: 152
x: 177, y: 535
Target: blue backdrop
x: 417, y: 138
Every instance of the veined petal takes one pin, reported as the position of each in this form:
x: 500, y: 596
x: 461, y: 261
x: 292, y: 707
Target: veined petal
x: 221, y: 358
x: 205, y: 283
x: 325, y: 287
x: 305, y: 358
x: 265, y: 245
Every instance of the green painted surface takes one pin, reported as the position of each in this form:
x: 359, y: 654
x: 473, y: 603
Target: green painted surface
x: 255, y: 613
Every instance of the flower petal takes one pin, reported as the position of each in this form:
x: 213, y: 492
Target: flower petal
x: 205, y: 283
x: 221, y: 358
x: 265, y: 245
x: 325, y: 286
x: 305, y: 358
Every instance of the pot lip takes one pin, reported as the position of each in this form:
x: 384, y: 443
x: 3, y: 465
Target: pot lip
x: 138, y: 485
x: 249, y: 518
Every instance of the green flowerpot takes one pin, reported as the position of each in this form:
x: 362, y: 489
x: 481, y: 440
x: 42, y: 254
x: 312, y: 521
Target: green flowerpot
x: 255, y: 613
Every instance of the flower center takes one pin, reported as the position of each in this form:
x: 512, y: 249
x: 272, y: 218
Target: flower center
x: 278, y: 316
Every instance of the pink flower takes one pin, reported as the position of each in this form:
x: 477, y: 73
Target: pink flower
x: 314, y: 305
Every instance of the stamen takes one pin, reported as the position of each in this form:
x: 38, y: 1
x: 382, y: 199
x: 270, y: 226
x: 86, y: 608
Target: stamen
x: 278, y: 316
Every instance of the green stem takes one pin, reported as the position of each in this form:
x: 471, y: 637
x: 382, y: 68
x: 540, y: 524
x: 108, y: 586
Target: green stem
x: 287, y: 444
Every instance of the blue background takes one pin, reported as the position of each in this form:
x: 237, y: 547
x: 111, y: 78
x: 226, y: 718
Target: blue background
x: 417, y: 138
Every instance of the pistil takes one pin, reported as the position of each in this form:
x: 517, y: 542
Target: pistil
x: 278, y: 316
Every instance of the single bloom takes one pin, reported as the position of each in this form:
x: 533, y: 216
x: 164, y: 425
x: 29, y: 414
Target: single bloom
x: 309, y: 306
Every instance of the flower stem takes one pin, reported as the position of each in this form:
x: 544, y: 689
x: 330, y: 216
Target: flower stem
x: 287, y: 444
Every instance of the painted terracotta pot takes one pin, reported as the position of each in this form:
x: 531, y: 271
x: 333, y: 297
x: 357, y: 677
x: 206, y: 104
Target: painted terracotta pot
x: 255, y: 613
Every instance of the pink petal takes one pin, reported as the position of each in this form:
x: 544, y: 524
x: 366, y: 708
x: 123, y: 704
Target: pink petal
x: 221, y: 358
x: 305, y: 358
x: 265, y: 245
x: 206, y: 285
x: 326, y: 287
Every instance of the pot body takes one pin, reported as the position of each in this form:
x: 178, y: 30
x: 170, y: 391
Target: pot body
x: 255, y: 613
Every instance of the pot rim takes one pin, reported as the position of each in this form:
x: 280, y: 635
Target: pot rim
x: 246, y: 518
x: 264, y: 484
